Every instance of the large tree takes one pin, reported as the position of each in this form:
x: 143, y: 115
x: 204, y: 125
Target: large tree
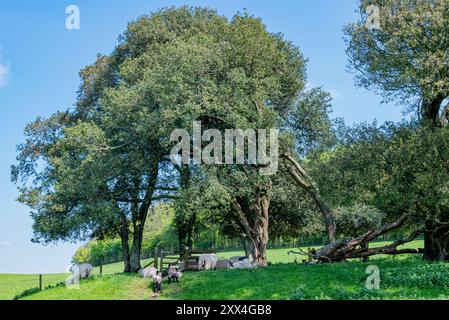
x: 406, y: 60
x: 169, y: 69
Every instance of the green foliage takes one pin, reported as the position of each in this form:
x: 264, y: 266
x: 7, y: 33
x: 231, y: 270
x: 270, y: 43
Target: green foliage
x: 395, y: 168
x: 418, y: 275
x: 357, y: 219
x: 406, y: 59
x: 82, y: 255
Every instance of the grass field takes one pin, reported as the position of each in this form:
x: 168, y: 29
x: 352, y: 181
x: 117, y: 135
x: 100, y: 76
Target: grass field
x: 13, y: 284
x: 405, y: 277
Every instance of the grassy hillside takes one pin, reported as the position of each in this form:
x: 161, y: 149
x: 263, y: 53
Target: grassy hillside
x: 404, y: 277
x: 14, y: 284
x: 408, y: 278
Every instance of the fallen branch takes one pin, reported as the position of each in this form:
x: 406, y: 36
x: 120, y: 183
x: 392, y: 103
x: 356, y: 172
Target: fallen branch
x: 344, y: 249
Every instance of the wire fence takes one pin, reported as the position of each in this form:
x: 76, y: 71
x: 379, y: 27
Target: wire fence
x: 15, y: 284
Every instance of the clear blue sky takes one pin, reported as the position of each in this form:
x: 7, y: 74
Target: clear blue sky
x: 40, y: 60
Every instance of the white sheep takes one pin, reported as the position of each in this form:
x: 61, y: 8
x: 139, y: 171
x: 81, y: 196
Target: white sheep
x: 243, y: 264
x: 84, y: 270
x: 207, y: 261
x: 148, y: 272
x: 223, y: 264
x: 79, y: 271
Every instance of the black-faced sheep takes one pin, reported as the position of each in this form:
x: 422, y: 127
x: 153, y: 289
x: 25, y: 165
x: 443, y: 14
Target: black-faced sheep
x: 173, y: 274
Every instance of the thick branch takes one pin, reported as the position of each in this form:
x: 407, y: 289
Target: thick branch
x: 304, y: 181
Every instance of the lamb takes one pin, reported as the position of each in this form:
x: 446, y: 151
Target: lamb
x: 207, y: 261
x: 157, y: 282
x: 173, y: 274
x: 148, y: 272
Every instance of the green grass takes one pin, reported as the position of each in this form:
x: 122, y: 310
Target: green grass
x: 13, y: 284
x: 405, y: 277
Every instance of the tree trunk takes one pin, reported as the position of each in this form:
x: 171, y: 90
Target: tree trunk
x: 436, y: 235
x: 255, y: 235
x: 137, y: 245
x: 184, y: 226
x: 125, y: 254
x: 430, y: 109
x: 124, y: 238
x: 140, y: 213
x: 436, y: 242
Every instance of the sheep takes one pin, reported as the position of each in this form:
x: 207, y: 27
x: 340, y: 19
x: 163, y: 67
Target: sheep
x: 147, y: 272
x: 157, y: 282
x: 207, y: 261
x: 79, y: 271
x: 237, y: 259
x: 86, y: 270
x: 223, y: 264
x: 243, y: 264
x: 83, y: 270
x: 173, y: 274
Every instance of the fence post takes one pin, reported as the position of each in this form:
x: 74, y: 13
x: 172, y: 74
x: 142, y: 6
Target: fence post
x: 101, y: 268
x: 155, y: 256
x: 40, y: 282
x: 161, y: 254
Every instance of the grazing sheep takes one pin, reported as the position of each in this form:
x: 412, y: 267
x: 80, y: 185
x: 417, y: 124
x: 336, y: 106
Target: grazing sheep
x: 148, y: 272
x: 157, y: 282
x: 86, y: 270
x: 83, y: 271
x: 79, y: 271
x: 173, y: 274
x: 223, y: 264
x: 207, y: 261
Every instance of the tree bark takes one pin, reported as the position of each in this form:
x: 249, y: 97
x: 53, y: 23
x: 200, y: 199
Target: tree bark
x: 140, y: 213
x: 344, y: 249
x: 436, y: 235
x: 255, y: 233
x: 136, y: 246
x: 184, y: 226
x: 125, y: 252
x: 436, y: 242
x: 430, y: 109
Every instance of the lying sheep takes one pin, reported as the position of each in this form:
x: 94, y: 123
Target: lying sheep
x: 148, y: 272
x: 237, y: 259
x: 243, y: 264
x: 173, y: 274
x: 223, y: 264
x: 207, y: 261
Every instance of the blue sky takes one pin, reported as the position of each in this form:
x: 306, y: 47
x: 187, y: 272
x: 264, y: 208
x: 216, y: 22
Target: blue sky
x: 40, y: 60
